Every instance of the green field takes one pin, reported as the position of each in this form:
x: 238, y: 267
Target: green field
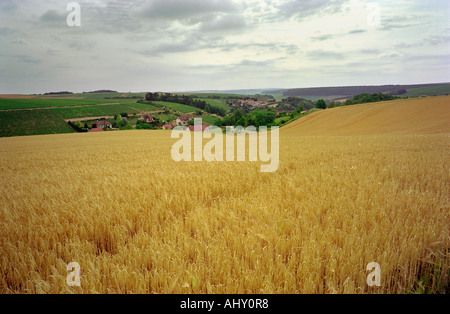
x: 179, y: 107
x: 277, y: 96
x: 217, y: 103
x: 97, y: 96
x: 93, y: 111
x: 206, y: 95
x: 6, y: 104
x: 144, y: 107
x: 166, y: 117
x: 428, y: 91
x: 110, y: 95
x: 32, y: 122
x: 209, y: 119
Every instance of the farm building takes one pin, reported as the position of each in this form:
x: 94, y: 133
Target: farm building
x: 183, y: 120
x: 96, y: 130
x: 103, y: 124
x: 197, y: 128
x: 148, y: 119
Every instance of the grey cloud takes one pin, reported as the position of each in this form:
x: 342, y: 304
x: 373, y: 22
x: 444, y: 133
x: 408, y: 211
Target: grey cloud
x: 184, y: 44
x: 434, y: 40
x: 334, y: 36
x: 19, y: 42
x: 251, y: 63
x: 324, y: 54
x: 223, y: 23
x: 390, y: 54
x: 322, y: 37
x: 260, y: 64
x: 303, y: 8
x: 194, y: 43
x: 170, y: 48
x: 53, y: 16
x: 5, y: 31
x: 389, y: 23
x: 114, y: 16
x: 437, y: 40
x: 185, y: 9
x: 27, y: 59
x: 357, y: 31
x: 51, y: 52
x: 370, y: 51
x: 439, y: 59
x: 80, y: 45
x: 96, y: 17
x: 8, y: 6
x: 245, y: 63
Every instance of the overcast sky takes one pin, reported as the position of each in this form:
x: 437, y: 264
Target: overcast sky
x: 181, y: 45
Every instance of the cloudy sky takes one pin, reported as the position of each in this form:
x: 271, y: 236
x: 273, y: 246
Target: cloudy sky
x: 180, y: 45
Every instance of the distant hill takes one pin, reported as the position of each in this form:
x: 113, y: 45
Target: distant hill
x: 340, y: 92
x: 350, y: 91
x: 58, y: 93
x: 236, y: 91
x: 103, y: 91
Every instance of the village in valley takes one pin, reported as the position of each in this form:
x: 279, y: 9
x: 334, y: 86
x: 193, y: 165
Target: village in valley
x: 166, y: 111
x: 104, y: 125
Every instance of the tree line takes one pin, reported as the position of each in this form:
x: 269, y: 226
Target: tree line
x: 256, y: 118
x: 186, y: 100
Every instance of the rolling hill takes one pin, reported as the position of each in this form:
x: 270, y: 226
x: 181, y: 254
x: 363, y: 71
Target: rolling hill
x: 354, y: 90
x: 146, y: 223
x: 423, y: 115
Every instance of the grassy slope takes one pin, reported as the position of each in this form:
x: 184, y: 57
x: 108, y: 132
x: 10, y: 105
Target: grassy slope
x: 427, y: 115
x: 428, y: 91
x: 217, y: 103
x: 144, y: 107
x: 179, y: 107
x: 36, y: 122
x: 45, y: 103
x: 209, y: 119
x: 93, y: 111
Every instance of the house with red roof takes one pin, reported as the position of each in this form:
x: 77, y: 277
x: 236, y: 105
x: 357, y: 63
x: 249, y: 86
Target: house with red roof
x: 183, y: 120
x: 197, y: 128
x: 103, y: 124
x: 148, y: 118
x: 96, y: 130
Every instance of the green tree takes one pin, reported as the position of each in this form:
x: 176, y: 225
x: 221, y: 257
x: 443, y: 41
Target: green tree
x: 238, y: 115
x: 251, y: 120
x: 151, y: 96
x: 241, y: 122
x: 321, y: 104
x: 228, y: 121
x: 218, y: 122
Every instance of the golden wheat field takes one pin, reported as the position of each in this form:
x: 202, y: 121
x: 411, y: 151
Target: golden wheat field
x: 360, y: 184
